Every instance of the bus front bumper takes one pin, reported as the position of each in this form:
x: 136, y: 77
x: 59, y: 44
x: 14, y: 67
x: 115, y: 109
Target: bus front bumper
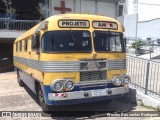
x: 87, y: 94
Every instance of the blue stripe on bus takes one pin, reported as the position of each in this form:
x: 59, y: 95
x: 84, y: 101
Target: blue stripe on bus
x: 78, y: 101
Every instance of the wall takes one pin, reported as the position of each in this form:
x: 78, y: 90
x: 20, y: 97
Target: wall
x: 120, y: 19
x: 10, y: 33
x: 146, y: 29
x: 130, y: 25
x: 57, y: 3
x: 102, y: 7
x: 149, y: 29
x: 107, y: 9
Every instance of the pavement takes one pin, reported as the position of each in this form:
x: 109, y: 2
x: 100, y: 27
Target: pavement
x: 16, y: 98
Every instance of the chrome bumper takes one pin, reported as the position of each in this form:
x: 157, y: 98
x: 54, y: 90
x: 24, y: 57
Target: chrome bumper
x: 82, y: 94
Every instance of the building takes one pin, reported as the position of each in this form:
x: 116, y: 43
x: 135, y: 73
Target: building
x: 102, y: 7
x: 26, y: 16
x: 14, y: 21
x: 149, y: 29
x: 145, y: 29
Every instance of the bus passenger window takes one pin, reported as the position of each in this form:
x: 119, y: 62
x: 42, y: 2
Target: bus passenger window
x: 20, y: 46
x: 25, y: 45
x: 17, y: 47
x: 35, y: 42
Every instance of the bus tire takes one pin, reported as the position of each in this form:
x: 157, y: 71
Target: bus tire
x: 20, y: 82
x: 44, y: 106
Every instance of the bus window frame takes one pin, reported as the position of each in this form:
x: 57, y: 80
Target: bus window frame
x: 109, y: 51
x: 67, y: 51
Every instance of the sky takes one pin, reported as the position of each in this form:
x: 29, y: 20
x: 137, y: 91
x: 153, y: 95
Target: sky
x: 146, y: 12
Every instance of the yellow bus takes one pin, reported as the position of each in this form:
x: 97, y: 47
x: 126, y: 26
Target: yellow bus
x: 72, y: 59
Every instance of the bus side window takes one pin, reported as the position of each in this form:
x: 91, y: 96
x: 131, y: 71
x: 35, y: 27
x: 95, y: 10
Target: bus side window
x: 25, y: 45
x: 16, y: 46
x: 20, y: 46
x: 35, y: 42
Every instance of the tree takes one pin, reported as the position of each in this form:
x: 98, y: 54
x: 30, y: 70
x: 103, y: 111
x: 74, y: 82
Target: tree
x: 9, y: 9
x: 42, y: 9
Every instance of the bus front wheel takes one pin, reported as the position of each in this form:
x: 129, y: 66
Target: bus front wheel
x: 44, y: 106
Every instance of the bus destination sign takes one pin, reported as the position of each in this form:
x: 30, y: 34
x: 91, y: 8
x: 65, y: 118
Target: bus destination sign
x: 105, y: 25
x: 73, y: 24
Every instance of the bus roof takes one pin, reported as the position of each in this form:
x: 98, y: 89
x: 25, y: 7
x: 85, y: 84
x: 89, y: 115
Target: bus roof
x: 67, y: 16
x: 81, y: 16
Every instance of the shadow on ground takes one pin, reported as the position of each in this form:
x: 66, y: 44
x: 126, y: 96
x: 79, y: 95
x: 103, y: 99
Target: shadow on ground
x: 89, y: 110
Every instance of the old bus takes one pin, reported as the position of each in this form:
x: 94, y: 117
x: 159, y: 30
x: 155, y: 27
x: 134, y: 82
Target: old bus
x: 72, y: 59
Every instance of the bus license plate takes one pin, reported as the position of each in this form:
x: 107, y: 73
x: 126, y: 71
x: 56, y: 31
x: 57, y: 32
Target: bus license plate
x: 98, y: 92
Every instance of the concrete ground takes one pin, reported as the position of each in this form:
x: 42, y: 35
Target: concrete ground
x: 16, y: 98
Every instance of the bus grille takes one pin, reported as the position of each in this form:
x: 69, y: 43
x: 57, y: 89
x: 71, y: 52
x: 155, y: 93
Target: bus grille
x: 84, y: 65
x: 92, y: 75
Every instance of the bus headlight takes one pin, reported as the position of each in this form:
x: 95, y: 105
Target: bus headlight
x: 56, y: 85
x: 116, y: 81
x: 69, y: 85
x: 126, y: 79
x: 62, y: 85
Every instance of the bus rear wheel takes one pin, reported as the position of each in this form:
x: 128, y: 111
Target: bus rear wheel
x: 20, y: 82
x: 44, y: 106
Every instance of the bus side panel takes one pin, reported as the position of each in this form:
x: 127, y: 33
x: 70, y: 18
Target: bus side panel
x: 28, y: 80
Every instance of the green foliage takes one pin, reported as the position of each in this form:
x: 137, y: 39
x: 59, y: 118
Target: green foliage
x: 42, y: 9
x: 9, y: 8
x: 137, y: 44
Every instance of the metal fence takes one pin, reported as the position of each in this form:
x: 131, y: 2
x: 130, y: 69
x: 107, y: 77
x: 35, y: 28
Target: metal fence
x: 4, y: 15
x: 145, y: 75
x: 156, y: 52
x: 10, y: 24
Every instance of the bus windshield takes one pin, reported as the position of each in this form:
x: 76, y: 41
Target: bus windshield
x: 66, y: 41
x: 108, y: 41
